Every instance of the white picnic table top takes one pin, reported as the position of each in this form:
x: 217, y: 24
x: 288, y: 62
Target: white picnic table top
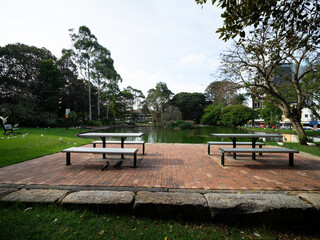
x: 101, y: 150
x: 244, y: 135
x: 103, y: 134
x: 260, y: 150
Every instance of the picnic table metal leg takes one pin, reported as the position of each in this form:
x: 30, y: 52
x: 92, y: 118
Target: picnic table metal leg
x: 143, y: 148
x: 135, y: 160
x: 234, y: 143
x: 222, y: 158
x: 122, y: 146
x: 254, y: 146
x: 291, y: 164
x: 208, y: 149
x: 68, y: 162
x: 260, y: 146
x: 104, y: 146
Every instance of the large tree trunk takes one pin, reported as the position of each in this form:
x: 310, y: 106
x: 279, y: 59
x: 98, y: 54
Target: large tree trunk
x: 300, y: 132
x: 296, y: 123
x: 107, y: 110
x: 294, y: 115
x: 89, y: 85
x: 98, y: 101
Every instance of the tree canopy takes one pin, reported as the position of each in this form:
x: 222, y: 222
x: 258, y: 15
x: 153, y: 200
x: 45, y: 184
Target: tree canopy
x: 27, y: 76
x: 286, y: 17
x: 158, y: 98
x: 191, y: 105
x: 259, y: 64
x: 222, y: 92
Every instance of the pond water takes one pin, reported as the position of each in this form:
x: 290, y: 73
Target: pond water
x: 196, y: 135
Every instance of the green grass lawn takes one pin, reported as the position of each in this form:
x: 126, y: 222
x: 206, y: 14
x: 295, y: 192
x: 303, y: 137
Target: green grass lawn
x: 15, y: 149
x: 20, y: 221
x: 301, y: 148
x: 308, y: 132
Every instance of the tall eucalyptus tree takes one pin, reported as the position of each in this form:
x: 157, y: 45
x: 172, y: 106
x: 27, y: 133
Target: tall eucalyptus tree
x: 103, y: 71
x: 85, y: 45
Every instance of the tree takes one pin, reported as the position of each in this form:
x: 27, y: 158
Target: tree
x: 19, y: 68
x: 311, y: 84
x: 212, y: 114
x: 270, y: 113
x: 285, y: 17
x: 158, y: 97
x: 48, y: 87
x: 257, y: 61
x: 75, y: 92
x: 171, y: 113
x: 110, y: 94
x: 122, y: 105
x: 236, y: 115
x: 239, y: 99
x: 19, y: 65
x: 222, y: 92
x: 137, y: 95
x: 85, y: 45
x: 103, y: 72
x: 191, y: 105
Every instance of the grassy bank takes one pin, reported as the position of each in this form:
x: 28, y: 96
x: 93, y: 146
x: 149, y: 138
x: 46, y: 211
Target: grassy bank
x: 19, y: 221
x: 302, y: 148
x: 15, y: 149
x: 308, y: 132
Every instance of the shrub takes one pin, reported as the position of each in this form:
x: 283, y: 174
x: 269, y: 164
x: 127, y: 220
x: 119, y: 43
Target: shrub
x: 180, y: 124
x: 94, y: 123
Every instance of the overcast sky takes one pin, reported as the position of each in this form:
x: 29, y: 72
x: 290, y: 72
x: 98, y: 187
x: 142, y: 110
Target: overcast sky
x: 171, y: 41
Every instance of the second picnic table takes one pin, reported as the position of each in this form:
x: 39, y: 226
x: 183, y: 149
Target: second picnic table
x: 103, y: 137
x: 254, y: 137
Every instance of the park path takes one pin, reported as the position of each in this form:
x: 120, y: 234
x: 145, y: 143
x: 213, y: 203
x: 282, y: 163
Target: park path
x: 183, y: 166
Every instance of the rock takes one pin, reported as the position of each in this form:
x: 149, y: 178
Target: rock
x: 35, y: 195
x: 6, y: 191
x: 111, y: 200
x: 171, y: 205
x: 279, y: 209
x: 313, y: 198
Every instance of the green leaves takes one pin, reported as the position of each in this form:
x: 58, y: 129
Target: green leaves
x: 302, y: 16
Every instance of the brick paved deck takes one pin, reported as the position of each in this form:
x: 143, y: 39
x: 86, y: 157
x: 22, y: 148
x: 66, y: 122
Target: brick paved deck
x: 185, y: 166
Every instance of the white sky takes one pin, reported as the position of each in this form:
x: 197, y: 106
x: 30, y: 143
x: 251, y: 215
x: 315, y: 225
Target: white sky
x: 172, y: 41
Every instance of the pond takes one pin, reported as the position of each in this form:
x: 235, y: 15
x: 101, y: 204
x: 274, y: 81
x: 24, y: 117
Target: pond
x: 196, y: 135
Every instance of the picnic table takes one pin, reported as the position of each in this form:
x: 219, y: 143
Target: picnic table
x: 103, y: 137
x: 254, y: 138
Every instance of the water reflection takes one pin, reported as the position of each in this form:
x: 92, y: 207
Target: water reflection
x: 196, y: 135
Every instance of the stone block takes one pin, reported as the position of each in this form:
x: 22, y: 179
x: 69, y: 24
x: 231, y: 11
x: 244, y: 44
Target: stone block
x: 313, y: 198
x: 279, y: 209
x: 171, y: 205
x: 111, y: 200
x: 5, y: 191
x: 35, y: 195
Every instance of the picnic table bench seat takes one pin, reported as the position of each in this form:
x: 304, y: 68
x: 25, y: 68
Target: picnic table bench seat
x: 259, y: 150
x: 113, y: 151
x: 231, y: 143
x: 119, y: 142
